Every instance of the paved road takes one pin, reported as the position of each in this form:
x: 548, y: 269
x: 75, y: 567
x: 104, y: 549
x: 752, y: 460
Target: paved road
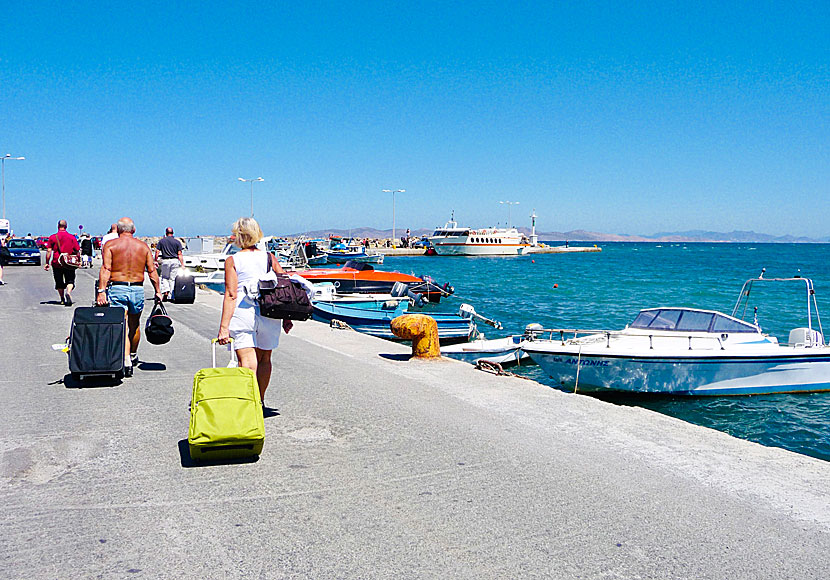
x: 374, y: 467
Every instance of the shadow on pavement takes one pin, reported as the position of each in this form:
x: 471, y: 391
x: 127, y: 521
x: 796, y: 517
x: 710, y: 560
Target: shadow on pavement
x: 70, y: 382
x: 55, y: 302
x: 401, y: 357
x: 151, y: 366
x: 268, y: 412
x: 187, y: 461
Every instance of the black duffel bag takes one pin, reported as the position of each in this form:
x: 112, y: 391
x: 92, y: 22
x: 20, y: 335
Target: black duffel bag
x: 283, y: 298
x: 159, y: 327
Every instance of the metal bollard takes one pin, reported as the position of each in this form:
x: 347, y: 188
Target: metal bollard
x: 422, y: 330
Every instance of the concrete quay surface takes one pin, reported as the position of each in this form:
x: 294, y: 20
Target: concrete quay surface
x: 374, y: 467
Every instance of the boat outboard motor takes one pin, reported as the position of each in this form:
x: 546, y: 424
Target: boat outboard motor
x: 533, y: 330
x: 402, y: 289
x: 468, y: 312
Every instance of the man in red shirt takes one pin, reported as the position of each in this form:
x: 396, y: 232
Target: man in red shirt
x: 62, y: 242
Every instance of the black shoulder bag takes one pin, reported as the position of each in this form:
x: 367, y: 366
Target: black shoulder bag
x: 283, y: 298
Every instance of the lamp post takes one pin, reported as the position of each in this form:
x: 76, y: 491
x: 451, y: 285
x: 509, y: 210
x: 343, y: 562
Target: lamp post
x: 393, y: 192
x: 3, y: 172
x: 251, y: 181
x: 509, y: 203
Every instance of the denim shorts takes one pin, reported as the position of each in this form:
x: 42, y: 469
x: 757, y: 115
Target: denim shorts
x: 130, y: 298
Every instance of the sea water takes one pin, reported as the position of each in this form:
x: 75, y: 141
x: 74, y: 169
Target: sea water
x: 606, y: 290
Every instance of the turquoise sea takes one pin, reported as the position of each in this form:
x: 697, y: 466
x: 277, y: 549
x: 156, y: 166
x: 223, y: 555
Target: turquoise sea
x: 607, y: 289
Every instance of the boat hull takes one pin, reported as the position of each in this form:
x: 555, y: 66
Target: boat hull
x: 503, y: 351
x: 465, y: 249
x: 376, y: 321
x: 688, y: 376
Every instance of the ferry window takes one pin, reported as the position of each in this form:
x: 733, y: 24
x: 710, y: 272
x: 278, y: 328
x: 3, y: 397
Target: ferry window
x: 695, y: 321
x: 644, y: 319
x: 724, y: 324
x: 665, y: 320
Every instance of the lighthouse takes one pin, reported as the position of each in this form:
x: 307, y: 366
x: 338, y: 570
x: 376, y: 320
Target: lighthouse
x: 534, y: 239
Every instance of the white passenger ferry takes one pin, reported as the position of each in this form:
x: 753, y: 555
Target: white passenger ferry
x: 451, y: 240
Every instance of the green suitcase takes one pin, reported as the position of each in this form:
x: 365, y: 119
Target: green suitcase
x: 225, y: 414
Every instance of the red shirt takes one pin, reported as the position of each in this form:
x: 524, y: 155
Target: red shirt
x: 62, y: 242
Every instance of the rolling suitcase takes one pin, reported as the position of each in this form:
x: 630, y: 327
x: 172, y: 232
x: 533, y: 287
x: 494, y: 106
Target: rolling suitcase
x: 184, y: 289
x: 225, y: 414
x: 96, y: 342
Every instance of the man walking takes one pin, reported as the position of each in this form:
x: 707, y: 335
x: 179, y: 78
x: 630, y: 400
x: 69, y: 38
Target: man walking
x: 110, y: 235
x: 62, y: 242
x: 171, y: 260
x: 122, y: 282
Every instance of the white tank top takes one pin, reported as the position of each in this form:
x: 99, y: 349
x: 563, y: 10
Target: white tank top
x: 250, y: 267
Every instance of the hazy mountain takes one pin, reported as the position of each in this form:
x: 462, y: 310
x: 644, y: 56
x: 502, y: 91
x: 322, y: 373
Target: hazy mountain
x: 736, y: 236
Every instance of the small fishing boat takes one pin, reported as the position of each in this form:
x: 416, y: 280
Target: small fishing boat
x: 342, y: 250
x: 688, y: 351
x: 505, y: 351
x: 363, y: 278
x: 376, y: 320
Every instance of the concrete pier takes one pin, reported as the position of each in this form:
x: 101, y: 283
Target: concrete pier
x: 532, y: 250
x: 374, y: 466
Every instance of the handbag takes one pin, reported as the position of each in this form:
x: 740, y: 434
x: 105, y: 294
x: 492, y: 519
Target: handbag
x: 67, y: 260
x: 159, y: 326
x: 283, y: 298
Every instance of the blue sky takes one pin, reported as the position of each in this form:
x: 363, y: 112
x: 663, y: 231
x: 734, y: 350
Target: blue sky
x: 625, y: 117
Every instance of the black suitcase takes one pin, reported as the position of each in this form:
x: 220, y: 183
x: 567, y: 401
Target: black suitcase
x: 184, y: 289
x: 96, y: 342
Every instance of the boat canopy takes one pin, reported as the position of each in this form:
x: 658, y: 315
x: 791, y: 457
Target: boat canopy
x: 689, y: 320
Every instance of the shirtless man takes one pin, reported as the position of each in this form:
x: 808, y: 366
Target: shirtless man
x: 121, y: 282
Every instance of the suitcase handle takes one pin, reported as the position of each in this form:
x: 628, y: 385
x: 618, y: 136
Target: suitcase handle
x: 213, y: 342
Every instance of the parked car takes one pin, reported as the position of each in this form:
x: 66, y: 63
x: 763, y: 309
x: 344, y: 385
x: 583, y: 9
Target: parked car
x: 422, y: 243
x: 42, y: 242
x: 19, y: 251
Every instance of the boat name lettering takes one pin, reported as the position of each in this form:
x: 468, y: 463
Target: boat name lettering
x: 583, y: 362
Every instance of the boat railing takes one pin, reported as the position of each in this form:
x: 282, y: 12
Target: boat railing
x: 588, y: 336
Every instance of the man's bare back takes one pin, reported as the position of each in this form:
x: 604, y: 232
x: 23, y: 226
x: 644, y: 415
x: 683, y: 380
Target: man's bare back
x: 128, y: 259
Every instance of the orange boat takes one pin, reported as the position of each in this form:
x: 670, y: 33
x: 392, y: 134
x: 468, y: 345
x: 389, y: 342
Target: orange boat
x: 364, y: 279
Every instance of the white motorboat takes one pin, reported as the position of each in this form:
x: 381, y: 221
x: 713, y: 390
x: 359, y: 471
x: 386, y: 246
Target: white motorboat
x: 210, y: 262
x: 688, y: 351
x: 504, y: 351
x: 452, y: 240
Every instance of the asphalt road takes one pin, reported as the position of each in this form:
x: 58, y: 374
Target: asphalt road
x: 374, y: 467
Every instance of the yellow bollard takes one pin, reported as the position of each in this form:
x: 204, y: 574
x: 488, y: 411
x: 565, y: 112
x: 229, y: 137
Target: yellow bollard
x: 422, y: 330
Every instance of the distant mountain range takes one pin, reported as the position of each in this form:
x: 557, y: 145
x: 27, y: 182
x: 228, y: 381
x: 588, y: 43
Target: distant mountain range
x: 587, y: 236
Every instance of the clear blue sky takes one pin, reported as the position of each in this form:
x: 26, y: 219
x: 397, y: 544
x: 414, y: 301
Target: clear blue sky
x: 628, y: 117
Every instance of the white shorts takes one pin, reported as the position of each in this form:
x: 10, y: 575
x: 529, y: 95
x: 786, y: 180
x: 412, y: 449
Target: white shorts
x: 249, y: 329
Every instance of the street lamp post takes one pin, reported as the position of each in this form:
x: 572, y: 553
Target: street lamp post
x: 251, y: 181
x: 3, y: 172
x: 393, y: 192
x: 509, y: 203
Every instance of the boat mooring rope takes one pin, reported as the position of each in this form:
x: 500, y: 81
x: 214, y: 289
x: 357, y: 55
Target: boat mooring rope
x: 496, y: 369
x: 339, y: 325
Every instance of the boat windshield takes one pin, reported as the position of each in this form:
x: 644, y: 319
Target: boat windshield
x: 688, y: 320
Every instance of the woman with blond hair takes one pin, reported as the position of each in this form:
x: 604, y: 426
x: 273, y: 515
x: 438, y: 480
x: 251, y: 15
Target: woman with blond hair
x: 254, y: 336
